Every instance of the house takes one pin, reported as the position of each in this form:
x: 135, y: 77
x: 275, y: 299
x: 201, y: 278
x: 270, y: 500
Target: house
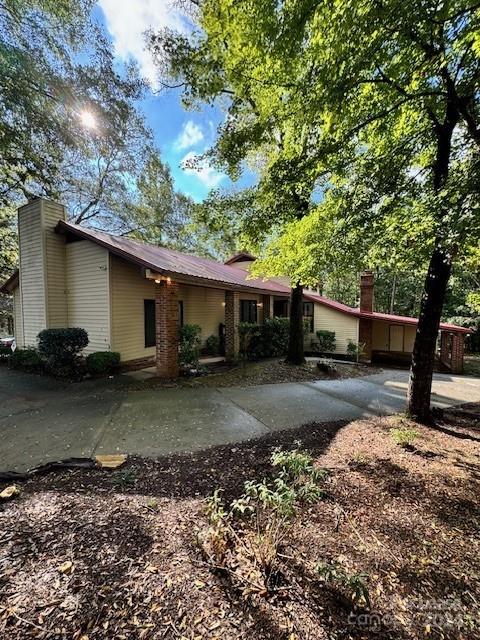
x: 131, y: 297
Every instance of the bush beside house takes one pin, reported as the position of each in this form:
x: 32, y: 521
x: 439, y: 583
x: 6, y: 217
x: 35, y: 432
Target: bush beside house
x: 268, y: 340
x: 102, y: 362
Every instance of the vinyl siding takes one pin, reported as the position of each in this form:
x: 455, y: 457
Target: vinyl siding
x: 55, y: 262
x: 32, y: 272
x: 205, y: 307
x: 344, y: 326
x: 128, y: 291
x: 88, y: 292
x: 17, y: 317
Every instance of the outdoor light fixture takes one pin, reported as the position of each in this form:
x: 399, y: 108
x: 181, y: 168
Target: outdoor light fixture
x: 157, y: 281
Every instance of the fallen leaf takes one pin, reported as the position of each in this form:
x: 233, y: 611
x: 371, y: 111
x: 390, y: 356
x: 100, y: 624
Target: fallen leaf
x: 9, y: 492
x: 66, y: 567
x: 111, y: 461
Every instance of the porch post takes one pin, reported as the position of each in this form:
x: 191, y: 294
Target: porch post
x: 267, y: 307
x: 166, y: 328
x: 457, y: 352
x: 232, y: 318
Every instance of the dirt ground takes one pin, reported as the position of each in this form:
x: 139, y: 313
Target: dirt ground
x: 90, y: 554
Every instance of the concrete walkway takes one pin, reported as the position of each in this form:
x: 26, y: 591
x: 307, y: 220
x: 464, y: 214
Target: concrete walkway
x: 43, y: 420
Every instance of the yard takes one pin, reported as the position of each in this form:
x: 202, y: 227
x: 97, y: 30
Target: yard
x: 95, y: 554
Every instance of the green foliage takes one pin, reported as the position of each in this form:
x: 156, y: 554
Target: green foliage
x: 404, y: 437
x: 124, y: 479
x: 61, y: 349
x: 190, y: 343
x: 267, y: 340
x: 326, y: 341
x: 102, y: 362
x: 355, y: 351
x: 5, y: 352
x: 212, y: 345
x: 26, y: 360
x: 354, y: 584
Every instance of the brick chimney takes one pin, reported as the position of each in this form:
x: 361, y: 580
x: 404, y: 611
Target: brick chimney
x: 366, y: 291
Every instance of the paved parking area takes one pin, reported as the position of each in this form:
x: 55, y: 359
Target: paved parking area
x: 42, y: 420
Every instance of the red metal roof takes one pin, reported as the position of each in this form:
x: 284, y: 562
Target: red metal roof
x: 178, y: 265
x: 172, y: 263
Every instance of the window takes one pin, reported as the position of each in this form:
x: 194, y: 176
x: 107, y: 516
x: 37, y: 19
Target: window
x: 248, y: 310
x: 149, y: 322
x: 280, y: 308
x: 308, y: 315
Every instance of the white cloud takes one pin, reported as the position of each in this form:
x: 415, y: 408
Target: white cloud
x: 209, y: 176
x: 189, y: 136
x: 127, y: 21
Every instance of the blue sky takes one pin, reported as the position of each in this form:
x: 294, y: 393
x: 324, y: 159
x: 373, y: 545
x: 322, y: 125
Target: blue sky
x: 179, y: 134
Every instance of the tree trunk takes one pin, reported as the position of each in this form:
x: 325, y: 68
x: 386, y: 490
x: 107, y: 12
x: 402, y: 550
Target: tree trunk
x: 295, y: 353
x: 433, y: 298
x: 423, y: 357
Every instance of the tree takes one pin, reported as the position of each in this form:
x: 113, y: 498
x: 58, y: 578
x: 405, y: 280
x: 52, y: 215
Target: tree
x: 57, y: 69
x: 386, y: 96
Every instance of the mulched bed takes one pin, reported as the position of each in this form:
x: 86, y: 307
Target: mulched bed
x: 95, y: 554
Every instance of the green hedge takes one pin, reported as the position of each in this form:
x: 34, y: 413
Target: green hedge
x: 102, y: 362
x: 266, y: 340
x: 26, y: 360
x: 212, y: 345
x: 61, y: 349
x: 326, y: 341
x: 190, y: 342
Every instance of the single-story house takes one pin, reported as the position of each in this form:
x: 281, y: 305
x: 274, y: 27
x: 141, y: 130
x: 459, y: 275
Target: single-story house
x: 131, y: 297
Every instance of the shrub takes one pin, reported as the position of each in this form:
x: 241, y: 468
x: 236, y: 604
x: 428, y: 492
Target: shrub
x: 212, y: 345
x: 5, y: 352
x: 25, y: 360
x: 404, y: 437
x: 190, y: 343
x: 102, y: 362
x: 354, y: 584
x: 355, y: 351
x: 326, y: 341
x: 267, y: 340
x: 61, y: 349
x: 327, y: 366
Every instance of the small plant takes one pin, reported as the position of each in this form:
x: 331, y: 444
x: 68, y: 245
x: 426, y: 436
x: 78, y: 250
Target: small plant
x: 26, y: 360
x: 5, y: 352
x: 354, y: 584
x: 61, y: 349
x: 102, y: 362
x: 212, y: 345
x: 404, y: 437
x: 326, y: 341
x: 125, y: 478
x: 328, y: 367
x: 245, y: 538
x: 355, y: 351
x: 190, y: 343
x: 359, y: 460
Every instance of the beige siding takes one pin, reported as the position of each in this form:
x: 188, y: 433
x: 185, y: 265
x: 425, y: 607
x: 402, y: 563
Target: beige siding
x: 204, y: 307
x: 55, y: 262
x: 32, y: 271
x: 410, y: 333
x: 128, y: 291
x: 88, y: 292
x: 17, y: 317
x: 393, y: 337
x: 344, y: 326
x: 380, y: 336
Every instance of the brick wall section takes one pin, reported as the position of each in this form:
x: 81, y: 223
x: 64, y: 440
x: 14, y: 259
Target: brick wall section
x: 166, y: 319
x: 366, y: 291
x: 457, y: 352
x: 267, y: 307
x: 232, y: 318
x: 365, y: 332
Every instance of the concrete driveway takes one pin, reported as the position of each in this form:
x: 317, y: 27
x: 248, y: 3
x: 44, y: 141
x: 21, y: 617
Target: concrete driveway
x: 42, y: 420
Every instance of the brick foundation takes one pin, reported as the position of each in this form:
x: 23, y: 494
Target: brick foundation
x: 232, y: 318
x: 166, y: 319
x: 451, y: 351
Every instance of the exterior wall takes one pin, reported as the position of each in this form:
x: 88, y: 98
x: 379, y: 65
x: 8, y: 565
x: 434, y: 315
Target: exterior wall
x: 205, y: 307
x: 18, y: 317
x: 88, y: 292
x: 382, y: 341
x: 32, y: 271
x: 345, y: 326
x: 55, y: 266
x: 128, y: 291
x: 244, y: 265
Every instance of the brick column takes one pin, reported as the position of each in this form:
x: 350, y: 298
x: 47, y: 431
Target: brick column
x: 232, y: 318
x: 457, y: 352
x: 166, y: 324
x: 267, y: 307
x: 365, y: 327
